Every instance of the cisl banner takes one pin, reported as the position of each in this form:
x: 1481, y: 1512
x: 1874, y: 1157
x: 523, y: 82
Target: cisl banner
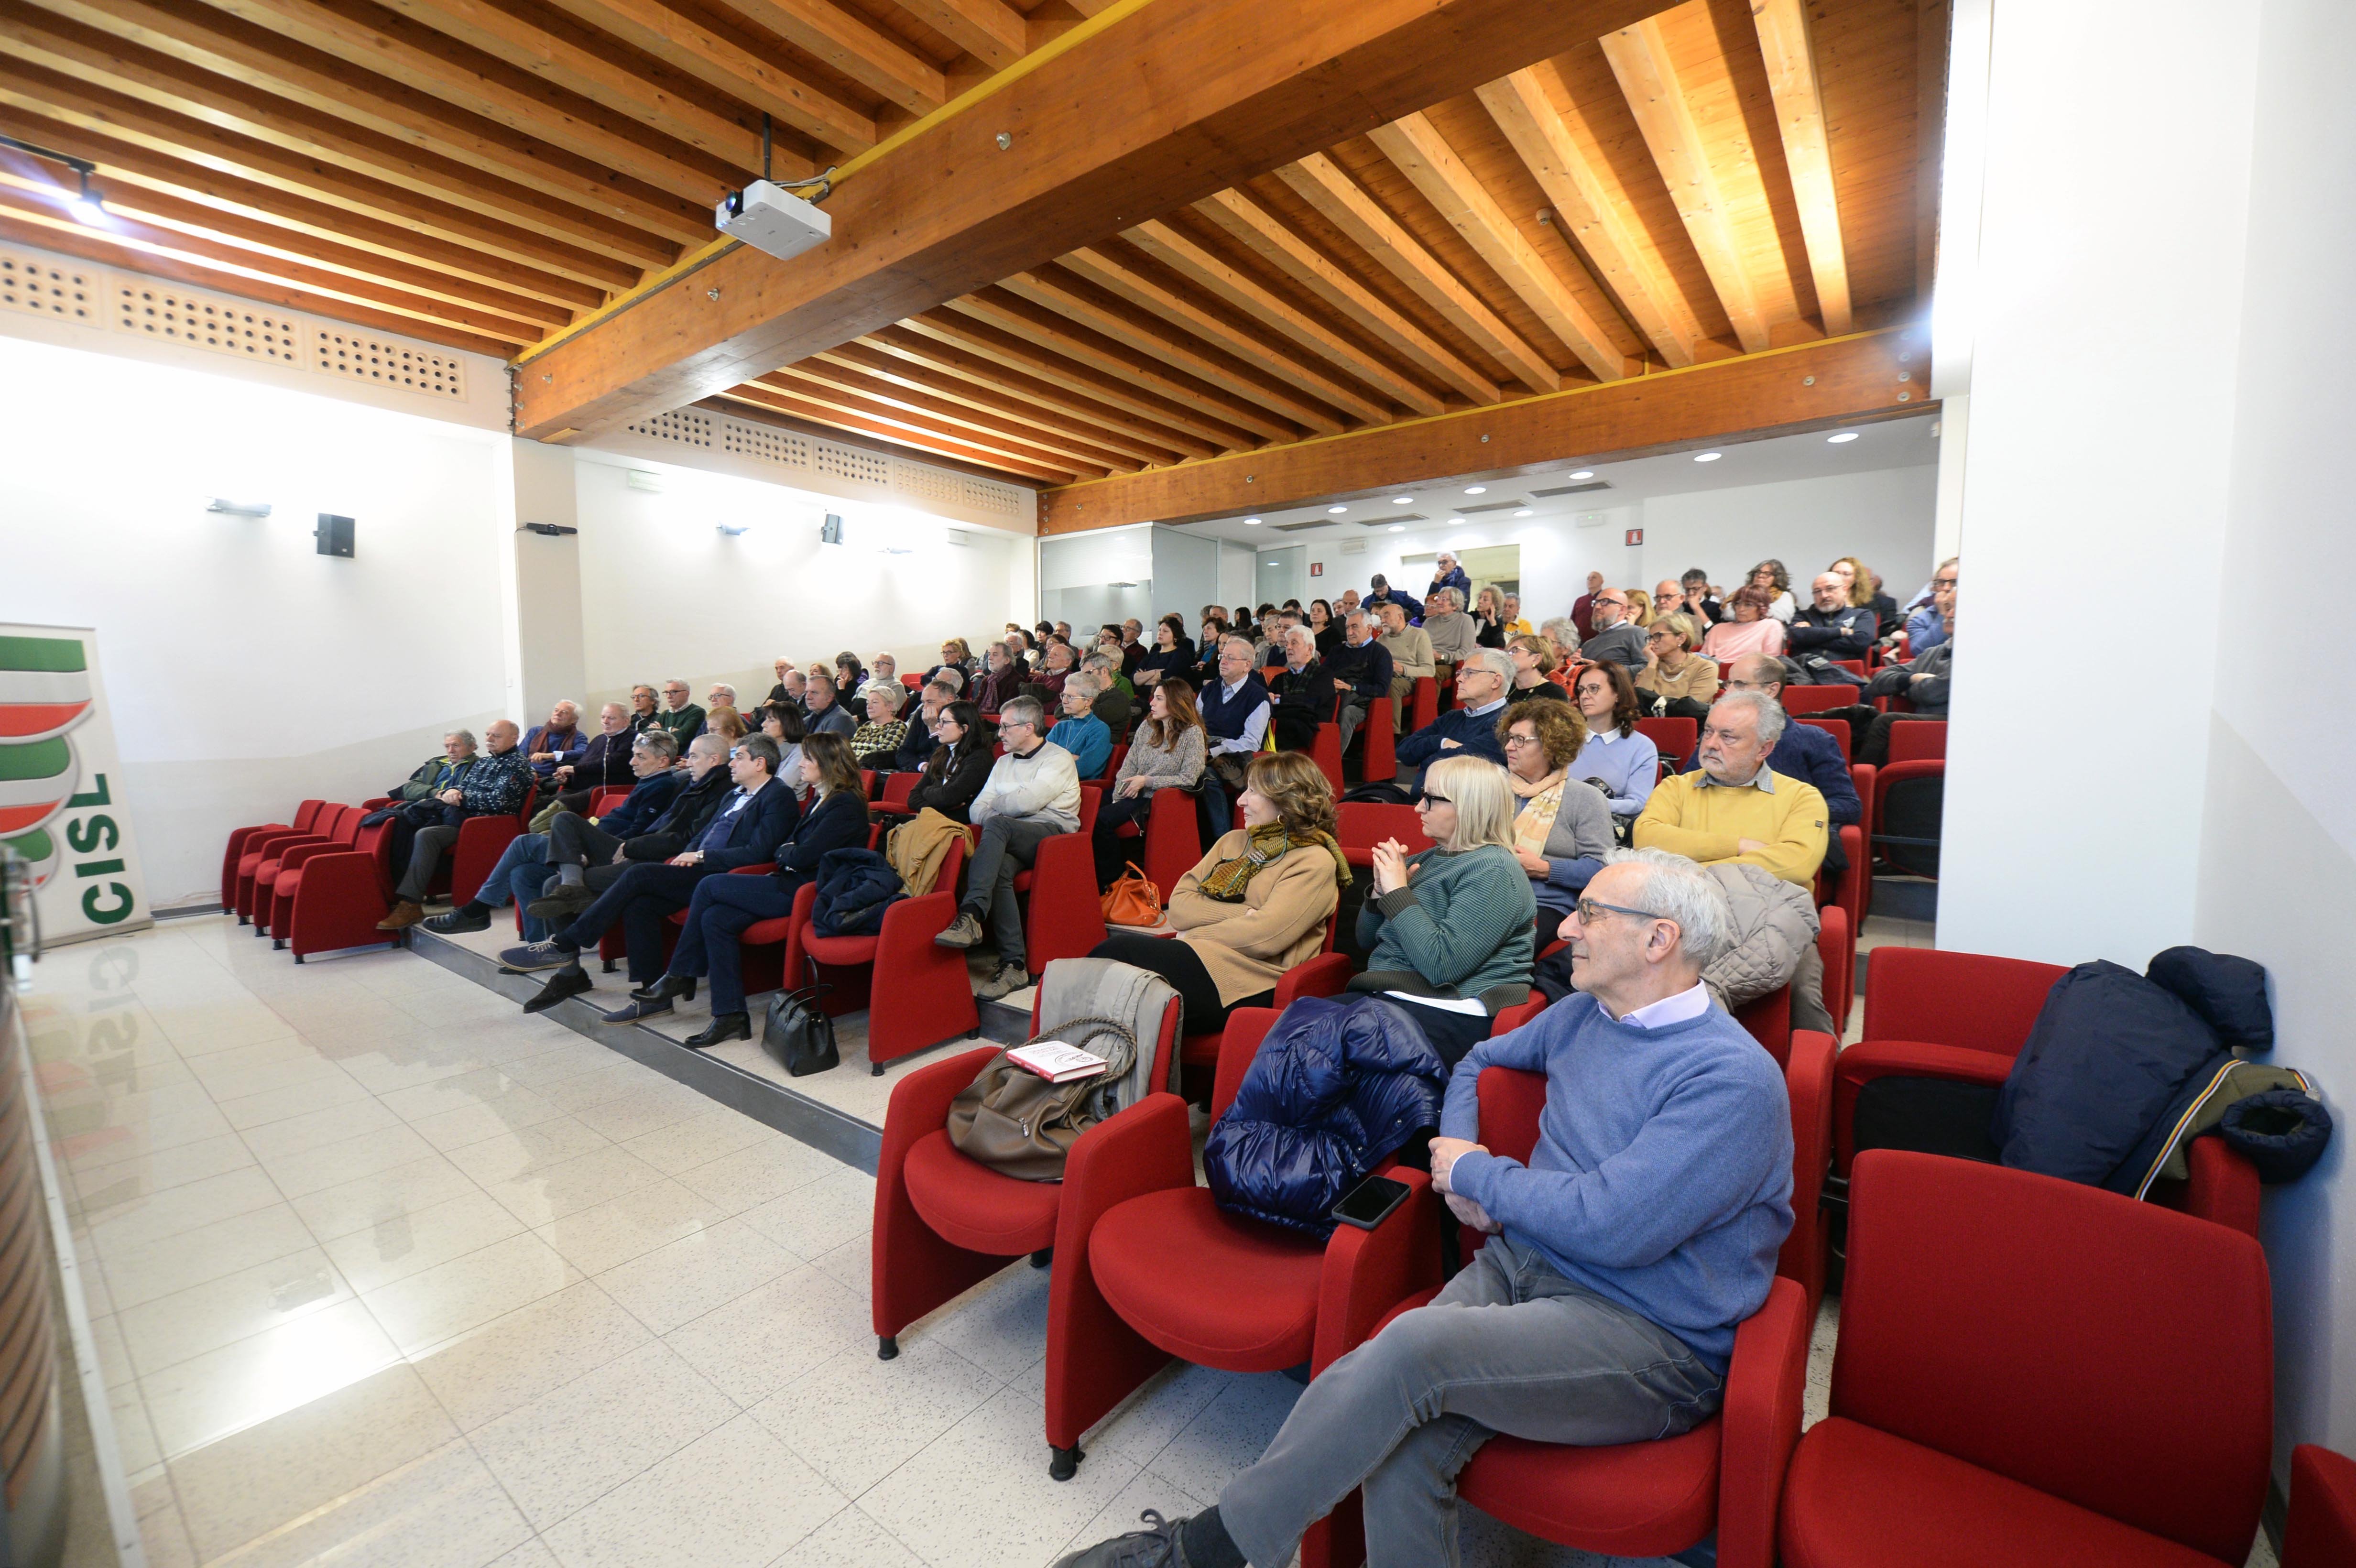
x: 60, y: 809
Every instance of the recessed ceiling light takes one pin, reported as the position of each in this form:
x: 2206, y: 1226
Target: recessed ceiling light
x: 1584, y: 474
x: 1402, y: 500
x: 1398, y: 528
x: 1455, y: 522
x: 1523, y: 513
x: 1337, y: 510
x: 1844, y: 435
x: 1707, y: 456
x: 1251, y: 522
x: 1476, y: 489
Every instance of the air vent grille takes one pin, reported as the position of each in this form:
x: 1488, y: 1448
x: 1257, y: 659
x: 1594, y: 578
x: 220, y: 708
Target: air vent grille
x: 1574, y: 489
x: 684, y: 427
x: 221, y: 325
x: 1493, y: 506
x: 56, y: 294
x: 850, y: 463
x: 1386, y: 522
x: 385, y: 364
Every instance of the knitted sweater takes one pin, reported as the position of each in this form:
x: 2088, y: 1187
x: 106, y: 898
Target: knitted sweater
x: 1180, y: 763
x: 1463, y: 923
x: 1661, y: 1178
x: 1042, y: 786
x: 1705, y: 822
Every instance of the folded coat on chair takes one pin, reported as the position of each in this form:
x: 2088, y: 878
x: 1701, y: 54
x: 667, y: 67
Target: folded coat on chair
x: 1337, y: 1087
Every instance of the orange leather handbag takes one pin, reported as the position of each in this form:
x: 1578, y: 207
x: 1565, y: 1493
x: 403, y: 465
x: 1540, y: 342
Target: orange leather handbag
x: 1132, y: 900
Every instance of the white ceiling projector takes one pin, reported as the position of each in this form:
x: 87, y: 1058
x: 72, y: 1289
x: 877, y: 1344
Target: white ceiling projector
x: 764, y: 217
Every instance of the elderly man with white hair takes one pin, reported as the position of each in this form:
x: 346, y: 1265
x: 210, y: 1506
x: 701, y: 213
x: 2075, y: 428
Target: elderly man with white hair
x: 1079, y: 731
x: 603, y: 762
x: 1455, y: 635
x: 1735, y: 807
x: 1622, y: 1257
x: 1303, y: 691
x: 557, y: 743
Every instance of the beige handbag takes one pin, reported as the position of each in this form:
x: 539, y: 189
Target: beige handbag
x: 1020, y: 1125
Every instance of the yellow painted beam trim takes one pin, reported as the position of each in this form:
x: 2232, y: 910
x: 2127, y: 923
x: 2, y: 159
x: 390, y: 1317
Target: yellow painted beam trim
x: 1489, y: 411
x: 1063, y: 43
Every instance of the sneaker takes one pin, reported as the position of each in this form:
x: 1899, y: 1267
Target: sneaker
x: 1010, y: 978
x: 405, y: 913
x: 458, y: 921
x: 536, y: 956
x: 1158, y: 1545
x: 963, y: 932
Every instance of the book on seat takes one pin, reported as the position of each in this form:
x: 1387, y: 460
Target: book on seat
x: 1056, y: 1062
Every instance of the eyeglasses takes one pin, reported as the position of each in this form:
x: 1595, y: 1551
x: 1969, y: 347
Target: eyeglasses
x: 1588, y: 908
x: 1521, y: 739
x: 1425, y: 798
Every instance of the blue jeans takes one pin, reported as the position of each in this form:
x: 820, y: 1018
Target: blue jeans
x: 722, y: 910
x: 1509, y: 1346
x: 521, y: 871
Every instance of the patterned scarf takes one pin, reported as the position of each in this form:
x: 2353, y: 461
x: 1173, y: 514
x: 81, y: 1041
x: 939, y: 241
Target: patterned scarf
x: 1536, y: 820
x: 1265, y: 847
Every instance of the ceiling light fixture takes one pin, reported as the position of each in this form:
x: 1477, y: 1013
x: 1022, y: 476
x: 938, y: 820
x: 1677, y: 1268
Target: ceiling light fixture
x: 1476, y: 489
x: 1523, y: 513
x: 1455, y: 522
x: 1844, y: 435
x: 1584, y: 474
x: 85, y: 204
x: 1338, y: 511
x: 1707, y: 456
x: 1251, y: 522
x: 1402, y: 500
x: 1398, y: 528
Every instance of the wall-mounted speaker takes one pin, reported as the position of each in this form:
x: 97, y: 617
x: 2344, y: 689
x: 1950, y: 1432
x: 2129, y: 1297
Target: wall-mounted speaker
x: 830, y: 530
x: 335, y: 535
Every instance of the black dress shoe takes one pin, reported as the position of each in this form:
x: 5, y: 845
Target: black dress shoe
x: 569, y: 981
x: 723, y: 1026
x: 664, y: 988
x: 631, y: 1012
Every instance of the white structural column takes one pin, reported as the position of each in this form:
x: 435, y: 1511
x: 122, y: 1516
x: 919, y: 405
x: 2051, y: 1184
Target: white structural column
x: 548, y: 662
x: 2105, y: 351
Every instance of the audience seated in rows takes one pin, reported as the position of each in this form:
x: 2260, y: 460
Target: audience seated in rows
x: 1926, y: 625
x: 1447, y: 572
x: 1256, y: 904
x: 1455, y: 636
x: 1303, y: 694
x: 877, y: 742
x: 752, y: 820
x: 557, y: 743
x: 1000, y: 681
x: 588, y: 857
x: 725, y: 721
x: 783, y: 724
x: 1862, y: 589
x: 939, y: 690
x: 1534, y: 661
x: 524, y: 868
x: 1775, y: 585
x: 1562, y: 825
x: 646, y: 709
x: 1831, y: 627
x: 1235, y: 708
x: 1411, y: 658
x: 1172, y: 652
x: 1618, y: 759
x: 721, y: 909
x: 957, y: 767
x: 498, y: 784
x: 1472, y: 725
x: 1169, y: 751
x: 1032, y: 794
x: 1116, y: 698
x: 1079, y: 731
x: 1750, y: 628
x: 1381, y: 593
x: 605, y: 763
x: 1583, y: 609
x: 437, y: 775
x: 1616, y: 638
x: 1621, y: 1258
x: 1361, y: 670
x: 1805, y: 752
x: 683, y: 719
x: 823, y: 708
x: 1676, y: 682
x: 1923, y: 681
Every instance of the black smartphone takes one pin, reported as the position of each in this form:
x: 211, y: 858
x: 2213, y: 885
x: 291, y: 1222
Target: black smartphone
x: 1367, y: 1204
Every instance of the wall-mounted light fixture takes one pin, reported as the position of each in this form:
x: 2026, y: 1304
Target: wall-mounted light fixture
x: 86, y: 203
x: 238, y: 508
x: 735, y: 530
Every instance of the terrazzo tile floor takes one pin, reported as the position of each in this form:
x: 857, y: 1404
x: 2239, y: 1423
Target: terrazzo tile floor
x: 383, y: 1273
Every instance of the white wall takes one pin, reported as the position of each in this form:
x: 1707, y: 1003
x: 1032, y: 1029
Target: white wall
x: 2277, y: 866
x: 665, y: 593
x: 245, y: 670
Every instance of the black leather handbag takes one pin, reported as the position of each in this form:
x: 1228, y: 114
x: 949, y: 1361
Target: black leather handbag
x: 798, y: 1035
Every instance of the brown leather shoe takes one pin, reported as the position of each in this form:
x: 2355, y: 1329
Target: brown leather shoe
x: 404, y: 914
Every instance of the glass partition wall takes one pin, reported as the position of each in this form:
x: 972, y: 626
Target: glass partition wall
x: 1135, y: 573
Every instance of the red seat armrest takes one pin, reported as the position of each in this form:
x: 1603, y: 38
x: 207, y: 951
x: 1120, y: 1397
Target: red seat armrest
x: 1871, y: 1059
x: 920, y: 1101
x: 1323, y: 975
x: 2224, y: 1185
x: 1367, y: 1272
x: 1149, y: 1147
x: 301, y: 854
x: 1766, y: 1384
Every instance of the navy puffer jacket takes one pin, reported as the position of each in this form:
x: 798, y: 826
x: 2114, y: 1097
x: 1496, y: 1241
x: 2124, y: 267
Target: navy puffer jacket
x: 1337, y: 1088
x: 855, y: 887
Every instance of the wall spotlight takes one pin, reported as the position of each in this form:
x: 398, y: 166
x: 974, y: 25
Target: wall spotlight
x: 238, y: 508
x: 1398, y: 528
x: 830, y: 530
x: 85, y: 204
x: 1523, y: 513
x: 554, y: 530
x: 734, y: 530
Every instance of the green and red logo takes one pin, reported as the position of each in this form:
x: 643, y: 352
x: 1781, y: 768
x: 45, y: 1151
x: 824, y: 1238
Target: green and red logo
x: 39, y: 850
x: 44, y: 688
x: 36, y: 781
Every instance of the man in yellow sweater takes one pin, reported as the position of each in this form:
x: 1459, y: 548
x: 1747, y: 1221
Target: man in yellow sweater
x: 1735, y: 807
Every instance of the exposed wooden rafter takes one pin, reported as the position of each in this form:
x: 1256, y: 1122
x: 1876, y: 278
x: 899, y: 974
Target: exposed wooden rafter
x: 1783, y: 42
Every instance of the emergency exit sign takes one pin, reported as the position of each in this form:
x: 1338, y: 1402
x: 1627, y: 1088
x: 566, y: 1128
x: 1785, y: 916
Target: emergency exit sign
x: 1636, y: 537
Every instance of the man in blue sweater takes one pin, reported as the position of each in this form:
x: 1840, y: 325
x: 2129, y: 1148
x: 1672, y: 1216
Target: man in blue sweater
x: 1620, y: 1260
x: 1481, y: 689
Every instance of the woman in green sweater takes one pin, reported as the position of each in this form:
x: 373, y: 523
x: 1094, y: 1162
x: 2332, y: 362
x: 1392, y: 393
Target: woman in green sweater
x: 1449, y: 929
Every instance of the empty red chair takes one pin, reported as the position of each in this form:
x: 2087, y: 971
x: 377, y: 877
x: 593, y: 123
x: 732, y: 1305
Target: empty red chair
x: 2321, y: 1530
x: 336, y: 896
x: 2031, y: 1371
x: 1919, y: 741
x: 1377, y: 744
x: 1836, y: 728
x: 913, y: 682
x: 1908, y: 795
x: 1674, y: 738
x: 1325, y: 750
x: 1836, y: 948
x: 897, y: 788
x: 275, y: 880
x: 1423, y: 703
x: 481, y: 841
x: 1363, y: 824
x: 256, y: 847
x: 926, y: 995
x: 944, y: 1222
x: 1186, y: 1278
x: 1962, y: 1018
x: 606, y: 798
x: 1173, y: 839
x: 1814, y: 698
x: 305, y: 815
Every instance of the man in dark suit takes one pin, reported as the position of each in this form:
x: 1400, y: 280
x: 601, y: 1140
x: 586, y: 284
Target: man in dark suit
x: 1360, y: 669
x: 1304, y: 693
x: 745, y: 831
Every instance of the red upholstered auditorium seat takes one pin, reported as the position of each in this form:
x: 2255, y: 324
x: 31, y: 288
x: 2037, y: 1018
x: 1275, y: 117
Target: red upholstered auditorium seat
x: 2321, y: 1530
x: 2032, y: 1370
x: 234, y: 850
x: 1919, y: 741
x: 919, y: 993
x: 1361, y: 824
x: 1673, y: 738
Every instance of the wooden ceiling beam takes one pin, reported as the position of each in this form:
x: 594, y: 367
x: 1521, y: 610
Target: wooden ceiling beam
x: 1145, y: 347
x: 122, y: 163
x: 48, y: 93
x: 989, y: 30
x: 224, y: 236
x: 993, y: 397
x: 900, y: 433
x: 478, y: 84
x: 853, y: 47
x: 1116, y: 277
x: 1524, y: 107
x: 1259, y: 231
x: 1179, y: 252
x: 1320, y: 182
x: 379, y: 125
x: 1415, y: 146
x: 1026, y: 356
x: 1648, y: 78
x: 1017, y: 433
x: 170, y: 255
x: 1790, y: 54
x: 1210, y: 92
x: 1816, y: 385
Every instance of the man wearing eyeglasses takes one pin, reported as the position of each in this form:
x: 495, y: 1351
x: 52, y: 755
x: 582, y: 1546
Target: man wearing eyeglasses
x: 1616, y: 638
x: 1622, y: 1257
x: 1470, y: 726
x: 1032, y: 794
x: 1803, y: 752
x: 1737, y: 807
x: 1927, y: 627
x: 682, y: 718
